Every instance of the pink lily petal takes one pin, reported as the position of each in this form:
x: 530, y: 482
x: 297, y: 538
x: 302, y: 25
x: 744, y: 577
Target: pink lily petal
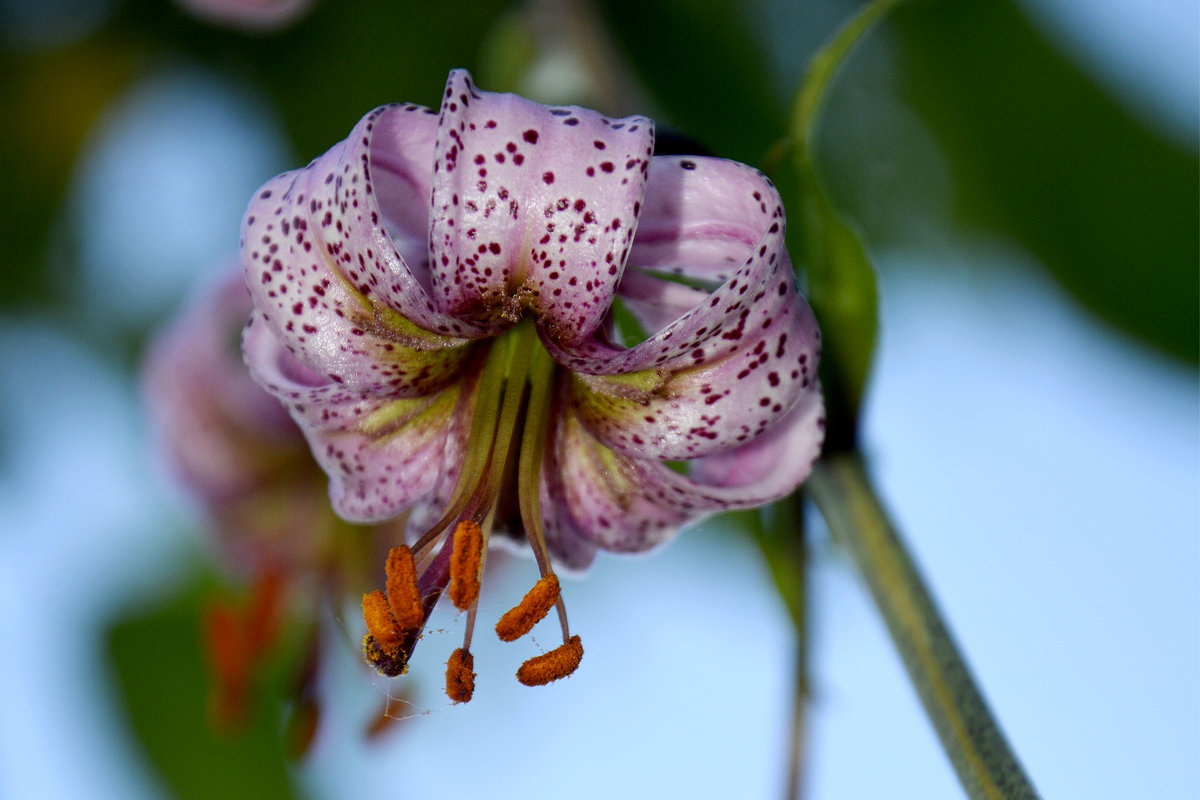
x: 330, y: 281
x: 730, y: 362
x: 533, y: 208
x: 626, y: 504
x: 382, y: 453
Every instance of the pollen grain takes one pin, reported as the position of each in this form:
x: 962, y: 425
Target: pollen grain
x: 535, y: 605
x: 558, y: 663
x: 465, y: 561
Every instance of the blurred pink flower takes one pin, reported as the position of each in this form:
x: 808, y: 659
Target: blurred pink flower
x: 249, y: 15
x: 244, y: 462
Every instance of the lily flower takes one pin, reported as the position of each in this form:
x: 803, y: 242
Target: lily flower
x: 508, y: 322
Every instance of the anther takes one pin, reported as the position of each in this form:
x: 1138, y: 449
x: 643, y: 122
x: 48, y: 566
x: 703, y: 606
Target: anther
x: 389, y: 661
x: 403, y: 594
x: 380, y: 622
x: 536, y: 604
x: 558, y: 663
x: 460, y: 675
x: 464, y: 564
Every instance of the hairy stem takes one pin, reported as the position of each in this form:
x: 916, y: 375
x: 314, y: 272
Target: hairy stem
x: 969, y: 733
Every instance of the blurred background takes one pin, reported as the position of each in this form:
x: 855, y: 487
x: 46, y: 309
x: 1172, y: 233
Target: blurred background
x: 1025, y: 175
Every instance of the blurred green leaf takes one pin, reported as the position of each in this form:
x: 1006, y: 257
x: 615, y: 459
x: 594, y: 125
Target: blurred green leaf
x: 52, y: 99
x: 326, y: 72
x: 704, y: 68
x: 348, y: 57
x: 337, y: 63
x: 508, y: 52
x: 1044, y: 156
x: 841, y: 279
x: 844, y: 296
x: 161, y: 672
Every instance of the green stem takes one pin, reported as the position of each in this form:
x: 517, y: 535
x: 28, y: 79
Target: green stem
x: 780, y: 532
x: 970, y: 735
x: 822, y: 67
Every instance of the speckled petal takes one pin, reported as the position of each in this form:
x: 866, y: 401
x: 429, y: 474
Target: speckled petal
x: 346, y: 297
x: 626, y: 504
x: 722, y: 366
x: 382, y: 453
x: 533, y: 208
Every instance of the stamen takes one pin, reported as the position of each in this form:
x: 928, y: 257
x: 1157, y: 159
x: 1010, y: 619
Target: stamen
x: 465, y: 564
x: 535, y: 605
x: 403, y: 594
x: 380, y: 622
x: 558, y: 663
x: 533, y: 445
x: 460, y: 675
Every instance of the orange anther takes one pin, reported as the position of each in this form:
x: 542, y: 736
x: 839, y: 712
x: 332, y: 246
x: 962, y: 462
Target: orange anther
x: 460, y: 675
x: 380, y: 622
x: 536, y: 603
x: 558, y: 663
x: 389, y: 661
x: 464, y: 564
x: 403, y: 594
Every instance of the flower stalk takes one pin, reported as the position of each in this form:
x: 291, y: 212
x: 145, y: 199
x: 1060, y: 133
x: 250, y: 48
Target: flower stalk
x: 970, y: 735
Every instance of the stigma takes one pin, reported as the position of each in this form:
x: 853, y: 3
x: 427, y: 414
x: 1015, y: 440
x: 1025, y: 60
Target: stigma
x: 509, y: 424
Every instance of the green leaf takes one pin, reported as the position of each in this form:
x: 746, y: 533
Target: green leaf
x: 53, y: 97
x: 841, y: 279
x: 162, y: 677
x: 1043, y: 155
x: 348, y: 57
x: 337, y: 63
x: 705, y: 68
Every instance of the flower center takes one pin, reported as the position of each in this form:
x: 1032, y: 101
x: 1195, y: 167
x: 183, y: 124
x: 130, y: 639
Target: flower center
x: 509, y: 426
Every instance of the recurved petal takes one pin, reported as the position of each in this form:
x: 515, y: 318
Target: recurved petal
x: 332, y: 283
x: 717, y: 222
x: 699, y: 404
x: 534, y: 207
x: 382, y: 454
x: 605, y: 501
x: 722, y: 364
x: 626, y: 504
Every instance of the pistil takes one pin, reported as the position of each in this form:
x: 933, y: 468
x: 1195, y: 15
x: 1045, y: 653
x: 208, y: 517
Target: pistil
x: 513, y: 394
